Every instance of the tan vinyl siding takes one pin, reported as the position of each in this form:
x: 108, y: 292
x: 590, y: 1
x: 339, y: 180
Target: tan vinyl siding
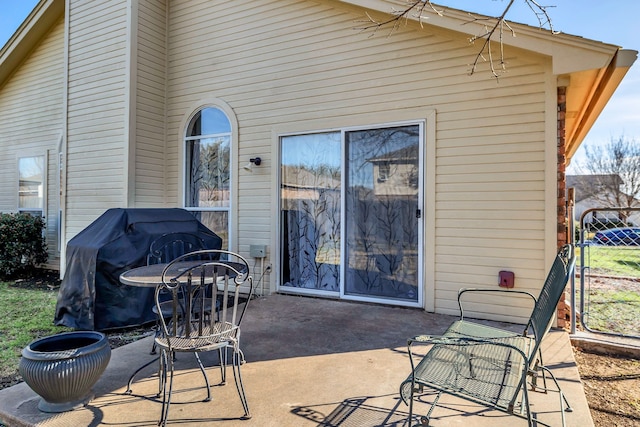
x: 31, y: 108
x: 150, y: 104
x: 300, y: 65
x: 490, y: 196
x: 97, y: 111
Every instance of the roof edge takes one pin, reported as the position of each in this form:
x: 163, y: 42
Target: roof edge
x: 611, y: 77
x: 569, y: 53
x: 43, y: 16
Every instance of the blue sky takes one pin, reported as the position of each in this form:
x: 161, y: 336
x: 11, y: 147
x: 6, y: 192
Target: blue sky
x: 612, y: 21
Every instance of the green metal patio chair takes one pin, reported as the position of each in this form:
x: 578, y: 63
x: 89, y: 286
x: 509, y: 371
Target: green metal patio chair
x: 488, y: 365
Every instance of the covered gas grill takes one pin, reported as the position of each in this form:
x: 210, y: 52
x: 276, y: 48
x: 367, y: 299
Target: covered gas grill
x: 91, y: 296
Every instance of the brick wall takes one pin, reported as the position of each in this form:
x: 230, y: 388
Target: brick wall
x: 564, y: 310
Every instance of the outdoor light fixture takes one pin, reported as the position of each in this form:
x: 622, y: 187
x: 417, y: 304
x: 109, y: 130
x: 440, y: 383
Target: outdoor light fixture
x: 253, y: 161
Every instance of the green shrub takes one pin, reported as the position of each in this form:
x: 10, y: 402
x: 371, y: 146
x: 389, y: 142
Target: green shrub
x: 22, y: 243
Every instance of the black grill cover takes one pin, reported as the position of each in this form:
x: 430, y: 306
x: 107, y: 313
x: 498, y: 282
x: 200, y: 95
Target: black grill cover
x: 91, y: 296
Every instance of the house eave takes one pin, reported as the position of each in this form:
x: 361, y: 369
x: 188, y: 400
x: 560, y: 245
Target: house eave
x: 586, y: 102
x: 44, y: 15
x: 569, y: 53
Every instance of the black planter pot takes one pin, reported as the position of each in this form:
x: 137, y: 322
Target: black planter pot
x: 62, y: 368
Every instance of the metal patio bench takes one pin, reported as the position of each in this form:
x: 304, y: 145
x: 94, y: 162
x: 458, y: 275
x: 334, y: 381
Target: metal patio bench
x: 488, y: 365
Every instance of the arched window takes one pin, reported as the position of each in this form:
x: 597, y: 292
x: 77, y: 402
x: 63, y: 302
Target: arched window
x: 208, y: 170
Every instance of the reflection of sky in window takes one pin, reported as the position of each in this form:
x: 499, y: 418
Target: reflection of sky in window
x: 312, y: 150
x: 369, y: 144
x: 214, y: 121
x: 31, y: 167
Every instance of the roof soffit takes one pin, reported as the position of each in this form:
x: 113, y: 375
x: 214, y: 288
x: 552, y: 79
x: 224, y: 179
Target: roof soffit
x: 588, y: 93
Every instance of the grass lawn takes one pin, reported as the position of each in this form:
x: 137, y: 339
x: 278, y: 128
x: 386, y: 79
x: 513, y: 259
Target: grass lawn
x: 612, y: 289
x: 615, y: 260
x: 27, y: 314
x: 614, y: 311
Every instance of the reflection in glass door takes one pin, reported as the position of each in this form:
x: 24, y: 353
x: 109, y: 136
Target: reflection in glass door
x: 349, y: 214
x: 310, y: 212
x: 382, y: 213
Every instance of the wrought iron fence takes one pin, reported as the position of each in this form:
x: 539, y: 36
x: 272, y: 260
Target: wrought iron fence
x: 609, y: 271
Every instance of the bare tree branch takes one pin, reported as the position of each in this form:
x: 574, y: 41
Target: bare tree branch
x: 616, y: 169
x: 494, y: 28
x: 415, y: 8
x: 544, y: 20
x: 486, y: 46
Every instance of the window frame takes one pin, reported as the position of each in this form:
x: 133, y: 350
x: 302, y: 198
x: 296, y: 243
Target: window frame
x: 43, y: 199
x: 233, y: 170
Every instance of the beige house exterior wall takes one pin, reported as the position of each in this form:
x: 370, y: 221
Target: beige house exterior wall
x: 114, y: 84
x: 97, y: 111
x: 302, y: 67
x: 147, y: 145
x: 31, y: 107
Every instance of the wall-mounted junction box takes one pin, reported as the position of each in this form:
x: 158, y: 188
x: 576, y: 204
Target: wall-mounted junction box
x: 507, y: 279
x: 257, y: 251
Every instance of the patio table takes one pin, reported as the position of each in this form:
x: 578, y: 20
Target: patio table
x: 150, y: 276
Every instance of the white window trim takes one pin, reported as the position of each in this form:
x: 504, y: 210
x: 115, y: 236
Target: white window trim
x: 45, y: 171
x: 425, y: 124
x: 233, y: 161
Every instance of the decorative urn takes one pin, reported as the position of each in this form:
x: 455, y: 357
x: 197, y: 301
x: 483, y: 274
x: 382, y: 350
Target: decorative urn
x: 63, y: 368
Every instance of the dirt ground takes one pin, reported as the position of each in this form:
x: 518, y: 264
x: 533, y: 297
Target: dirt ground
x: 611, y: 384
x: 612, y: 387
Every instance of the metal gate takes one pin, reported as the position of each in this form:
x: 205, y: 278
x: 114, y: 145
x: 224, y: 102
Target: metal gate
x: 609, y: 294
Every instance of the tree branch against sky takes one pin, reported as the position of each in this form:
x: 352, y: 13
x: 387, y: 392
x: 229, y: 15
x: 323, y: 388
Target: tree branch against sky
x: 493, y: 30
x: 616, y: 167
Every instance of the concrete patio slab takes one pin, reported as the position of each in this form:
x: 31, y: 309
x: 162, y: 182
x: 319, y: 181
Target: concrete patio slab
x: 310, y: 362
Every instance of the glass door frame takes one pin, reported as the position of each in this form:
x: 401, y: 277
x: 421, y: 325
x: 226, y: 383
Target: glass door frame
x: 422, y: 141
x: 420, y: 221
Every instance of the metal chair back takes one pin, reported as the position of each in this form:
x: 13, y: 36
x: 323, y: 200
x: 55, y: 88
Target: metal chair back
x: 547, y: 302
x: 169, y: 246
x: 209, y: 291
x: 192, y: 281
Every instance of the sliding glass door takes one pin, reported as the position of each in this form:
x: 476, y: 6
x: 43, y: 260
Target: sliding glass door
x: 382, y: 213
x: 350, y: 214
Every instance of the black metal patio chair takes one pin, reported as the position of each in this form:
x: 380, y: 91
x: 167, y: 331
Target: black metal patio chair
x: 196, y: 326
x: 165, y: 249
